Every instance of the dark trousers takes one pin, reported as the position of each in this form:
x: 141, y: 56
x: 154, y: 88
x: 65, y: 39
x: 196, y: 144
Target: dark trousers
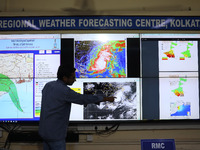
x: 54, y: 145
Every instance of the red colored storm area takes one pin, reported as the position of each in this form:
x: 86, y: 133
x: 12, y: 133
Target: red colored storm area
x: 103, y: 57
x: 169, y: 55
x: 121, y: 44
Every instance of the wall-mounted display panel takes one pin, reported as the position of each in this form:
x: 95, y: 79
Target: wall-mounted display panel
x: 153, y: 76
x: 102, y: 55
x: 174, y: 70
x: 126, y: 106
x: 27, y: 61
x: 107, y: 64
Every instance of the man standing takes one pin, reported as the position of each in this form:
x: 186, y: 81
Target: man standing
x: 56, y: 105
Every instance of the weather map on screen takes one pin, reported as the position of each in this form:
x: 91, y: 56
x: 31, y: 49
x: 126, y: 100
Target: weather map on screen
x: 179, y: 95
x: 126, y: 105
x: 179, y: 90
x: 16, y: 70
x: 180, y: 108
x: 26, y: 60
x: 16, y: 80
x: 178, y: 55
x: 16, y: 98
x: 97, y: 59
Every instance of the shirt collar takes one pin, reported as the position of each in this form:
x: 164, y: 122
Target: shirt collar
x: 60, y: 81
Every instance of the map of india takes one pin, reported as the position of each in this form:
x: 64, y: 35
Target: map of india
x: 16, y: 76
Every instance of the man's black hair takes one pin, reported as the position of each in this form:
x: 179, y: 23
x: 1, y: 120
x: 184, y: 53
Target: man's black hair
x: 65, y: 70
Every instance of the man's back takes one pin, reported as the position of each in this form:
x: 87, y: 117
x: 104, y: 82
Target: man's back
x: 55, y: 111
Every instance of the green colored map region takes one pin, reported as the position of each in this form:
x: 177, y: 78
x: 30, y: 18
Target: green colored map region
x: 179, y: 91
x: 6, y: 85
x: 187, y: 54
x: 171, y: 46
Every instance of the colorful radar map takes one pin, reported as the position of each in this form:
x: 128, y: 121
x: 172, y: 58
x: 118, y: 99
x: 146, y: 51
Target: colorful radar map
x: 180, y: 109
x: 97, y: 59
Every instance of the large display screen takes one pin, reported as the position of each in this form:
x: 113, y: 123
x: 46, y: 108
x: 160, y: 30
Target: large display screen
x: 107, y: 64
x: 27, y: 62
x: 99, y: 59
x: 173, y: 74
x: 152, y: 76
x: 179, y: 95
x: 125, y: 107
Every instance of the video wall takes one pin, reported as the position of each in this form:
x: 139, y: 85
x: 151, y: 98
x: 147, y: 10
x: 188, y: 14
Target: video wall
x: 153, y: 76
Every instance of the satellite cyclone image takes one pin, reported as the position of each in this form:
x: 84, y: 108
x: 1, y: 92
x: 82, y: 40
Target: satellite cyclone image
x: 94, y: 59
x: 124, y: 107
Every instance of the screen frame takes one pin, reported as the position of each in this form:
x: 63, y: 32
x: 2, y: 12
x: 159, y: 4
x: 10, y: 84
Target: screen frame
x: 150, y: 120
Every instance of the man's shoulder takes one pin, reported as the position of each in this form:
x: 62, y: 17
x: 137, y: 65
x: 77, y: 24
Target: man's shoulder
x: 57, y: 83
x: 50, y: 82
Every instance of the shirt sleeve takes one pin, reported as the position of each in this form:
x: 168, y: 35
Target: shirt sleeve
x: 82, y: 99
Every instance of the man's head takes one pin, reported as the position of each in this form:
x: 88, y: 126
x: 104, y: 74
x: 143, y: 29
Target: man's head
x: 66, y: 73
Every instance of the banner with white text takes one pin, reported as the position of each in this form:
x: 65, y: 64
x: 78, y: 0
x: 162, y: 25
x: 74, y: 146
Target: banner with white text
x: 99, y: 23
